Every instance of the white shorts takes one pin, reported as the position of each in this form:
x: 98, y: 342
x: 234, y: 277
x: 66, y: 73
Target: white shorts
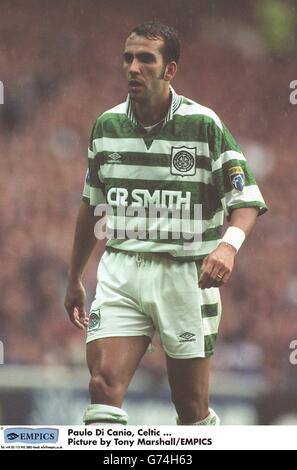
x: 138, y: 294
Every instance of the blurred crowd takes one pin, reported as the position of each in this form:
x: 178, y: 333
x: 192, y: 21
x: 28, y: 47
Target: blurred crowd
x: 60, y: 63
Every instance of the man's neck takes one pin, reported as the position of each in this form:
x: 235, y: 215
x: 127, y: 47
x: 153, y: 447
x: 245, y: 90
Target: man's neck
x: 150, y: 113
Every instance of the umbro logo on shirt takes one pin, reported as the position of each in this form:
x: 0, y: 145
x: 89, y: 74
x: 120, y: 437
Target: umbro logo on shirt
x: 114, y: 158
x: 187, y: 337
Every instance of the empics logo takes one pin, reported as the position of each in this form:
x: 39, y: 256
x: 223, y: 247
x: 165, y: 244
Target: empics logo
x: 31, y: 435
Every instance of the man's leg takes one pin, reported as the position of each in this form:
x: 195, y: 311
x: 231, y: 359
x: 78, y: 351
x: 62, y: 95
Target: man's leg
x: 189, y: 383
x: 112, y: 363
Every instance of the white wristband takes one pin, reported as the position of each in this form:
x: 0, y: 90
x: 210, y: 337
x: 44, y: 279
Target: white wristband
x: 234, y: 236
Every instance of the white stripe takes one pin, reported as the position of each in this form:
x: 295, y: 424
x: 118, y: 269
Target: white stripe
x: 141, y: 172
x: 196, y: 108
x: 133, y: 229
x: 249, y: 194
x: 96, y: 196
x: 137, y: 145
x: 109, y: 144
x: 86, y: 190
x: 120, y: 221
x: 164, y: 146
x: 91, y: 154
x: 227, y: 157
x: 211, y: 325
x: 118, y: 109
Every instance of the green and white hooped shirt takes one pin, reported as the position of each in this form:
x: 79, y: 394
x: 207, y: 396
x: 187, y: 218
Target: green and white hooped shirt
x: 189, y: 166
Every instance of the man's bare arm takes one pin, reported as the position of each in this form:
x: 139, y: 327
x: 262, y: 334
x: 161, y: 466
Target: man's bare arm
x: 83, y: 245
x: 221, y: 260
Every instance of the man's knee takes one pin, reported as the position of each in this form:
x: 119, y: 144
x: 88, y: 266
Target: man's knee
x: 104, y: 388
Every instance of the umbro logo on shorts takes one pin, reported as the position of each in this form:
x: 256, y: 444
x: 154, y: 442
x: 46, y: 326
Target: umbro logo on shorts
x: 187, y: 337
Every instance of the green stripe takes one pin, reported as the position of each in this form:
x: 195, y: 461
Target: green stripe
x: 229, y: 142
x: 93, y: 172
x: 187, y: 128
x: 151, y: 159
x: 220, y: 142
x: 209, y: 344
x: 167, y: 237
x: 184, y: 128
x: 212, y: 234
x: 209, y: 310
x: 114, y: 125
x: 92, y: 136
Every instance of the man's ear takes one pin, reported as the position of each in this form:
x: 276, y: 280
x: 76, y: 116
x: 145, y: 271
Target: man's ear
x: 170, y: 71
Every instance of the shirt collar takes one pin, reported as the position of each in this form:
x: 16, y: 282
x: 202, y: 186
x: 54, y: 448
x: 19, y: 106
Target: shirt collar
x: 175, y: 103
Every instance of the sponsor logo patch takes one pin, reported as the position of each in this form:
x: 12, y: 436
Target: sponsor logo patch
x: 236, y: 176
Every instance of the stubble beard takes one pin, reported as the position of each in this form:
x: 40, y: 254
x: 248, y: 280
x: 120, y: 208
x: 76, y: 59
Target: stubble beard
x: 143, y: 99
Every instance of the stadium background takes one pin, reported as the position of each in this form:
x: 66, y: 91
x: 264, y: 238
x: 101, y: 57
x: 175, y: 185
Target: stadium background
x: 60, y: 63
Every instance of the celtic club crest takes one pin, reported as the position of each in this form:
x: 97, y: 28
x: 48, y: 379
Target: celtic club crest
x: 94, y: 320
x: 183, y: 161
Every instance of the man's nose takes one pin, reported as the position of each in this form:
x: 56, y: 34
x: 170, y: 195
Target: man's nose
x: 134, y: 67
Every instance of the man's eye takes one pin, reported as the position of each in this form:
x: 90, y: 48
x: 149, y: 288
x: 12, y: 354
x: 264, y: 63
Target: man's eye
x: 147, y: 58
x: 128, y: 58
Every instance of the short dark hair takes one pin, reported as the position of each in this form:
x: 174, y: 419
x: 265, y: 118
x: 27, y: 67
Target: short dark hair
x: 155, y: 30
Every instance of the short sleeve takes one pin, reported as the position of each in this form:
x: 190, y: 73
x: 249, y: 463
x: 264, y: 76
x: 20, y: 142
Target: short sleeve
x: 232, y: 175
x: 94, y: 191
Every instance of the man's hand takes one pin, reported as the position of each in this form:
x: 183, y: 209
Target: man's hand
x: 75, y: 303
x: 217, y: 266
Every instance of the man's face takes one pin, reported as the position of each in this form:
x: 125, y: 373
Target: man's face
x: 144, y: 67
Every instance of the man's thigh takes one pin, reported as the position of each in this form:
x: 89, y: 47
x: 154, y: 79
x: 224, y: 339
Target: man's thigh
x: 116, y: 359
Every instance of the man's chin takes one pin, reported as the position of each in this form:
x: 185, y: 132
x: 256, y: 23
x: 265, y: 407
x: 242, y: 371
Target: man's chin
x: 136, y: 97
